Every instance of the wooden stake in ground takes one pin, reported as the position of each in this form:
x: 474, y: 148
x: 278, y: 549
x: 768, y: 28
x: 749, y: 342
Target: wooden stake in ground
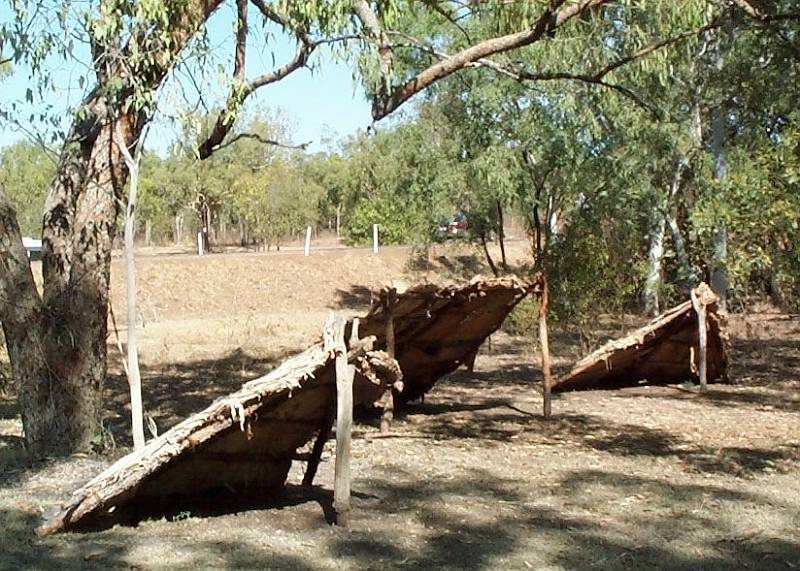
x: 319, y: 446
x: 388, y: 397
x: 344, y: 425
x: 702, y: 336
x: 547, y: 379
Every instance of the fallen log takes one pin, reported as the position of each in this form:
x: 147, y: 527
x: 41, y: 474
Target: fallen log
x: 665, y: 351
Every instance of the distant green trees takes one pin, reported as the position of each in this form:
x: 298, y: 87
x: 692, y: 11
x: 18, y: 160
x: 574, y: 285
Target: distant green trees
x: 26, y: 170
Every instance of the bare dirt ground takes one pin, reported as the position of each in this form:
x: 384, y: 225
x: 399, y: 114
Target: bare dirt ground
x: 473, y: 478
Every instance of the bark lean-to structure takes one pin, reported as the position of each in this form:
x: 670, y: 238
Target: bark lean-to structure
x: 665, y: 351
x: 247, y: 440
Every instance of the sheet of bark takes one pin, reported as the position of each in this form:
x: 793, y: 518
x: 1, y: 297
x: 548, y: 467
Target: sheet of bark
x: 244, y: 442
x: 439, y: 328
x: 665, y: 351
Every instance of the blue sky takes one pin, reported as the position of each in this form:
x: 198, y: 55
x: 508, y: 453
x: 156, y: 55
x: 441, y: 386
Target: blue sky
x: 325, y: 104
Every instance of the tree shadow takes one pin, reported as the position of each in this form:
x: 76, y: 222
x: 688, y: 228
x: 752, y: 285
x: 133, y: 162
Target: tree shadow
x: 172, y: 393
x: 653, y: 533
x: 522, y: 534
x: 21, y: 550
x: 451, y: 420
x: 355, y: 298
x: 13, y: 459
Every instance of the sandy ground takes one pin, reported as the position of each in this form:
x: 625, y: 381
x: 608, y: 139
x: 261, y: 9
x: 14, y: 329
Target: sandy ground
x: 473, y: 478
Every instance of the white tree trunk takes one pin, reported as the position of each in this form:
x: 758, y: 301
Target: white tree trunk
x: 654, y: 256
x: 687, y: 273
x: 719, y: 271
x: 134, y: 377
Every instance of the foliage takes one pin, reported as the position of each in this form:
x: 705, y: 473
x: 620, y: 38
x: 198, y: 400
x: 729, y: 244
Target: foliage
x: 26, y: 171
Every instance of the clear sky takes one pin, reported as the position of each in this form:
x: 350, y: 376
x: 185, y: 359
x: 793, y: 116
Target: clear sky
x: 321, y: 105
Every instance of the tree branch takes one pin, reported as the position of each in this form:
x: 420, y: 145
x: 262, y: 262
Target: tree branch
x: 762, y: 17
x: 553, y: 16
x: 263, y: 140
x: 369, y: 20
x: 239, y: 93
x: 19, y: 299
x: 241, y: 40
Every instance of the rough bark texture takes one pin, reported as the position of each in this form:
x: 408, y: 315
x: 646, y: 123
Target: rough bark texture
x: 665, y: 351
x: 439, y: 328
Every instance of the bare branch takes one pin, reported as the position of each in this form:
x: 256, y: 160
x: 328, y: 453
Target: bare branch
x: 449, y: 16
x: 299, y: 60
x: 239, y: 93
x: 655, y: 46
x: 263, y: 140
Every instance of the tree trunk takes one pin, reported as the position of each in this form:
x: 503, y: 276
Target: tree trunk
x: 148, y: 233
x: 39, y: 393
x: 338, y: 219
x: 488, y: 255
x: 132, y: 369
x: 501, y: 236
x: 59, y: 354
x: 654, y: 255
x: 687, y: 274
x: 719, y: 270
x: 58, y: 345
x: 178, y: 229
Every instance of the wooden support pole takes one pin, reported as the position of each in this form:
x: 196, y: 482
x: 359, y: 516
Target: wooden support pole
x: 316, y: 452
x: 344, y: 425
x: 702, y: 336
x: 469, y: 362
x: 543, y: 341
x: 388, y: 398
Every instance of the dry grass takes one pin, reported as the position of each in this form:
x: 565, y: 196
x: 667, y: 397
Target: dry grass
x: 473, y: 478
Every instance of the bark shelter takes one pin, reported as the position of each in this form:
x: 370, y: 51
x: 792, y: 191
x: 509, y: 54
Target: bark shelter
x: 665, y: 351
x: 247, y: 440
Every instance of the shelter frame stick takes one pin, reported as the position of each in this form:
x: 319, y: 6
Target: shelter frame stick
x: 319, y: 446
x: 344, y: 425
x: 702, y: 339
x: 388, y: 398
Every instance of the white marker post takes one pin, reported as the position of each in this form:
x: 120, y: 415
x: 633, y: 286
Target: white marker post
x: 308, y: 241
x: 374, y: 238
x: 200, y: 249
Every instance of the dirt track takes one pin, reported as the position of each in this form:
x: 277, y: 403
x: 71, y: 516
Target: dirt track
x: 471, y: 479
